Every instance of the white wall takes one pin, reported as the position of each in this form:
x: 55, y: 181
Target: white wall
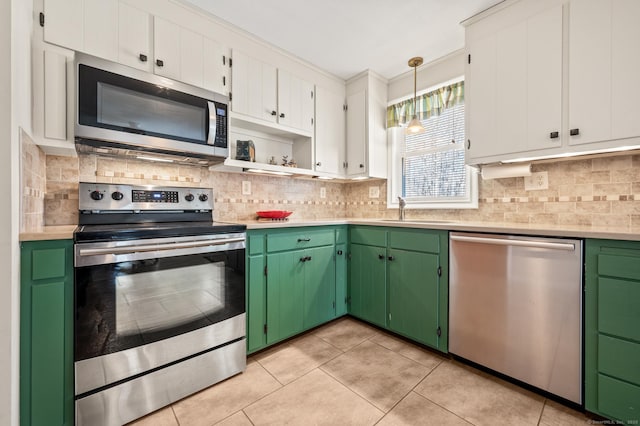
x: 15, y: 106
x: 430, y: 74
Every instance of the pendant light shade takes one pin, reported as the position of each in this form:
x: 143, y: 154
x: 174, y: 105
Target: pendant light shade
x: 415, y: 126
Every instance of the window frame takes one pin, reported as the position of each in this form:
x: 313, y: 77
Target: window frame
x: 396, y: 141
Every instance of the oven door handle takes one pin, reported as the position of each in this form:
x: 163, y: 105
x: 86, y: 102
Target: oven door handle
x: 156, y: 247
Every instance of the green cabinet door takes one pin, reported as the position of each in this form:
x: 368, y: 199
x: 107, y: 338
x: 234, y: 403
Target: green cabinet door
x: 367, y: 283
x: 341, y: 280
x: 413, y: 295
x: 319, y: 286
x: 285, y: 294
x: 256, y: 303
x: 46, y: 333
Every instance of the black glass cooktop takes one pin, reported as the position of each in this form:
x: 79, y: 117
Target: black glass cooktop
x: 134, y: 231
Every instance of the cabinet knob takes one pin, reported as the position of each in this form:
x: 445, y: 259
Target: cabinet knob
x: 391, y: 258
x: 362, y: 166
x: 303, y: 259
x: 468, y: 143
x: 273, y: 113
x: 339, y: 252
x: 318, y: 164
x: 554, y: 135
x: 159, y: 62
x: 381, y: 256
x: 142, y: 57
x: 574, y: 132
x: 282, y: 115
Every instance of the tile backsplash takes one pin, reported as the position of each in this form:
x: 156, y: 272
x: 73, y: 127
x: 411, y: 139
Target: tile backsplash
x: 33, y: 184
x: 598, y: 191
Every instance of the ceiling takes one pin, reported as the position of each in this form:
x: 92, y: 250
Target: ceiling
x: 345, y: 37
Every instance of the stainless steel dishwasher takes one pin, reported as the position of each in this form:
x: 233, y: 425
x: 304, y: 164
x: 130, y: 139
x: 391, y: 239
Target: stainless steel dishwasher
x: 515, y: 306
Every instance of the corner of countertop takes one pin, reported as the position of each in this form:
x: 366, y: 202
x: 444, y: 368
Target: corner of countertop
x: 56, y: 232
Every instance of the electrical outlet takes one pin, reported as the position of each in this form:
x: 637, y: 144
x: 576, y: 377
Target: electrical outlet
x: 246, y: 187
x: 323, y: 192
x: 374, y: 192
x: 538, y: 180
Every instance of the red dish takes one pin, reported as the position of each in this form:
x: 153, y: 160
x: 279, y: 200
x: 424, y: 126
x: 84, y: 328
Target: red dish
x: 274, y: 214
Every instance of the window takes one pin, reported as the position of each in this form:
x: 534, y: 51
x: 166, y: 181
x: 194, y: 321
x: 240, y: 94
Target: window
x: 428, y: 169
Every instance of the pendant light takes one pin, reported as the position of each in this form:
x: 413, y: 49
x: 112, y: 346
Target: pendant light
x: 415, y: 126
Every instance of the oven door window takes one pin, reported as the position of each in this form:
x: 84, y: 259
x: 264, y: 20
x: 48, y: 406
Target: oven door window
x: 124, y: 305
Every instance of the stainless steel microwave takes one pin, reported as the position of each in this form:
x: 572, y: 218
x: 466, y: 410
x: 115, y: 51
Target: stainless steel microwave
x: 122, y: 111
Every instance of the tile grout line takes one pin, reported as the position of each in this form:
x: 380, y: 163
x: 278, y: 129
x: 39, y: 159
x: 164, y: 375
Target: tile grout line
x: 544, y: 404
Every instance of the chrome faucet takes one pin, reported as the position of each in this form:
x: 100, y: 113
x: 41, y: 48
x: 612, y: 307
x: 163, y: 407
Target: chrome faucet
x: 402, y: 203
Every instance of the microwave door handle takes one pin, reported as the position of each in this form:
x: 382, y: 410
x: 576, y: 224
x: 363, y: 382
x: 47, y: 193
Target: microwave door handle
x: 212, y: 118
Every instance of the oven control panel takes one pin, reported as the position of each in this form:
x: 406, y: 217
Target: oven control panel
x: 115, y: 197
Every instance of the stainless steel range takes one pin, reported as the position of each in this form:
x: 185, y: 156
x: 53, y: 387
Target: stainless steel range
x: 159, y: 299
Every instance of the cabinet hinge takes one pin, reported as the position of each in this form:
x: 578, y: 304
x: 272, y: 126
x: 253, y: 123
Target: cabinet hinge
x: 347, y: 300
x: 334, y: 304
x: 345, y: 165
x: 265, y: 329
x: 224, y: 60
x: 389, y: 316
x: 348, y: 256
x: 439, y: 271
x: 312, y: 94
x: 230, y: 96
x: 224, y: 80
x: 41, y: 19
x: 344, y: 107
x: 438, y: 332
x: 469, y: 58
x: 312, y: 121
x: 230, y: 62
x: 266, y: 270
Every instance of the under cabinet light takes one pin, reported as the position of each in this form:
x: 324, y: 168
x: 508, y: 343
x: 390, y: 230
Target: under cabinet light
x: 162, y: 160
x: 268, y: 172
x: 573, y: 154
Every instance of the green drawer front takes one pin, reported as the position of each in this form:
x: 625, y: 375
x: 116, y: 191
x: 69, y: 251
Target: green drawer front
x: 619, y: 266
x: 300, y: 239
x: 415, y: 240
x: 618, y: 399
x: 369, y: 236
x: 619, y: 358
x: 255, y: 243
x: 619, y: 308
x: 48, y: 263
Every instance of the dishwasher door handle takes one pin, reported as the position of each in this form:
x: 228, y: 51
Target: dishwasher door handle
x: 517, y: 243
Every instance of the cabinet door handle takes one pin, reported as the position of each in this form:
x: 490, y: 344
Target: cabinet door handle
x: 391, y: 258
x: 282, y: 115
x: 574, y: 132
x: 308, y: 257
x: 318, y: 164
x: 468, y: 143
x: 273, y: 113
x: 304, y: 240
x: 303, y: 259
x: 159, y: 62
x: 339, y: 252
x: 362, y: 166
x: 381, y: 256
x: 554, y: 135
x: 142, y: 57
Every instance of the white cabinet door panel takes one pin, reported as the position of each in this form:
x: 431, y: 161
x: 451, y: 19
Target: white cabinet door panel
x: 216, y: 71
x: 356, y: 133
x: 166, y: 48
x: 134, y: 38
x: 101, y: 28
x: 64, y: 23
x: 590, y: 99
x: 625, y: 52
x: 55, y: 95
x: 191, y: 57
x: 330, y: 131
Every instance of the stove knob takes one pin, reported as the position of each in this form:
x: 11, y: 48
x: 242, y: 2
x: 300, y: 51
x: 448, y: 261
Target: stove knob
x: 189, y: 197
x: 117, y: 195
x: 96, y: 195
x: 203, y: 197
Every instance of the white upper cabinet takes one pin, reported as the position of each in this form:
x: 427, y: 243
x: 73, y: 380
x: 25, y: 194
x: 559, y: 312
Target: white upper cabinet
x: 272, y: 95
x: 89, y: 26
x: 603, y: 61
x: 329, y: 132
x: 134, y: 38
x: 513, y: 87
x: 216, y: 66
x: 366, y: 144
x: 167, y: 49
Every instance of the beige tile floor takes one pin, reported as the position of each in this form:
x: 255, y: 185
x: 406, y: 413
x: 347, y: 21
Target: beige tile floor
x: 348, y: 373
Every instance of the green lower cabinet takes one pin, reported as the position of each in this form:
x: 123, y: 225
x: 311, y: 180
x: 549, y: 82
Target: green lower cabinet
x: 367, y: 283
x: 413, y: 295
x: 612, y: 324
x: 46, y: 333
x: 256, y: 303
x: 319, y: 286
x: 285, y: 295
x: 341, y: 280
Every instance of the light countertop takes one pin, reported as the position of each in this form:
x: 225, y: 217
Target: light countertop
x: 575, y: 231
